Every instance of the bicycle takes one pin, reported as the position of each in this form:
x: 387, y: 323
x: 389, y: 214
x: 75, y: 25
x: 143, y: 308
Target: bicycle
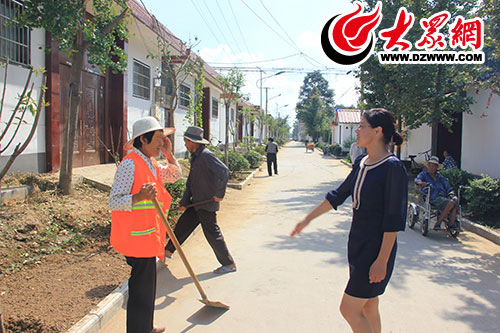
x: 415, y: 167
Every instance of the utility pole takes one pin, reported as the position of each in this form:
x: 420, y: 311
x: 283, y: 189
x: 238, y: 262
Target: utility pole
x: 265, y: 112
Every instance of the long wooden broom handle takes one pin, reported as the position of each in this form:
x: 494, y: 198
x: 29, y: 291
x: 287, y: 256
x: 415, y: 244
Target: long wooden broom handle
x: 174, y: 240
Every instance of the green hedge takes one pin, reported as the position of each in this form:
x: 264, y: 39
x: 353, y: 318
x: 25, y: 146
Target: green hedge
x: 457, y: 177
x: 176, y: 190
x: 483, y: 198
x: 254, y: 158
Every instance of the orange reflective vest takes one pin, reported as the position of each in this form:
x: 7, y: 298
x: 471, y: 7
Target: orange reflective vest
x: 140, y: 233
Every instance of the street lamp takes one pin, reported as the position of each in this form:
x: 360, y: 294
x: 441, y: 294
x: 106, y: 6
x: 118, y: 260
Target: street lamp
x: 277, y: 109
x: 263, y: 78
x: 260, y: 89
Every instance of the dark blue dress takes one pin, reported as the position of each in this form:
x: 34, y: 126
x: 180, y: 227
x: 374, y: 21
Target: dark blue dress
x: 379, y: 194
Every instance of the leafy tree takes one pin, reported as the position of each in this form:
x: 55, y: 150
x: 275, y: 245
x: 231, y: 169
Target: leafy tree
x: 248, y: 118
x: 312, y: 81
x: 26, y: 103
x: 78, y: 34
x: 194, y: 116
x: 314, y: 114
x: 231, y: 84
x: 419, y: 94
x: 176, y: 67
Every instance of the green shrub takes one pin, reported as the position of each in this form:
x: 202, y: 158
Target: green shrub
x: 261, y: 149
x: 281, y: 142
x: 176, y: 190
x: 337, y: 150
x: 213, y: 149
x: 320, y: 145
x: 457, y: 177
x: 254, y: 158
x: 484, y: 197
x: 236, y: 161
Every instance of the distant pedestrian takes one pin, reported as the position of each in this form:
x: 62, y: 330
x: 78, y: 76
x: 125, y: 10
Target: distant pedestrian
x: 207, y: 180
x: 271, y: 154
x: 378, y: 185
x: 136, y: 229
x: 449, y: 162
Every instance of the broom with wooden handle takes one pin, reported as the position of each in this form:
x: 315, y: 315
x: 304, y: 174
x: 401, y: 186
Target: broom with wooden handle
x: 204, y: 299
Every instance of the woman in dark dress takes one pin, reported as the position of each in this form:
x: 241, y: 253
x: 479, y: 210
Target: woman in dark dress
x: 378, y: 184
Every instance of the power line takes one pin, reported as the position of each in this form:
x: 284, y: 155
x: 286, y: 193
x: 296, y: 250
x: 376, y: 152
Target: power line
x: 209, y: 28
x: 293, y: 44
x: 275, y: 20
x: 238, y: 25
x: 216, y: 24
x: 255, y: 62
x: 260, y: 18
x: 228, y: 27
x: 334, y: 71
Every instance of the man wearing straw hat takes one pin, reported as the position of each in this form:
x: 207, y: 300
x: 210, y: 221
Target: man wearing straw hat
x: 441, y: 196
x: 205, y: 188
x: 136, y: 229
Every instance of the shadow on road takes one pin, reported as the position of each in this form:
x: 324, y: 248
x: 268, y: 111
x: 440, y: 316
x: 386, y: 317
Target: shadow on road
x: 478, y: 273
x: 167, y: 284
x: 204, y: 316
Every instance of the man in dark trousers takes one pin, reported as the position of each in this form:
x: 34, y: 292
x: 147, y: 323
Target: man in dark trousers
x: 271, y: 151
x: 207, y: 180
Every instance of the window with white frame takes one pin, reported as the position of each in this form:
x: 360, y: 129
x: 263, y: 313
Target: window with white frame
x: 141, y: 81
x: 215, y: 108
x: 14, y: 39
x: 184, y: 95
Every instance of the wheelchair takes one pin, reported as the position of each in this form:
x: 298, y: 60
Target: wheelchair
x: 423, y: 213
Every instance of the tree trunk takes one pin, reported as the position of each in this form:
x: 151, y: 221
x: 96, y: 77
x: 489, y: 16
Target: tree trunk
x: 70, y: 125
x: 172, y: 124
x: 1, y: 320
x: 226, y: 146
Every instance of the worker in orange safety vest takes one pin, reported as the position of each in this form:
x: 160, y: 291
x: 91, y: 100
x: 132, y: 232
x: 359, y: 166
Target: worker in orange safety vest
x: 137, y: 231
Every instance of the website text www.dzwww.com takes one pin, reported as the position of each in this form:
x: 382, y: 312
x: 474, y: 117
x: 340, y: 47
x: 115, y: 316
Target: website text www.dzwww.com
x: 437, y: 57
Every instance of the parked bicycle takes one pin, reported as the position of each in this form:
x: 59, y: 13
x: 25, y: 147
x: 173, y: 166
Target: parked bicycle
x: 415, y: 167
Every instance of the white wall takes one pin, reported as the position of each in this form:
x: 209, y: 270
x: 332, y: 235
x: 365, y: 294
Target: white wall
x: 142, y: 43
x: 343, y: 132
x: 33, y: 158
x: 481, y: 135
x: 417, y: 141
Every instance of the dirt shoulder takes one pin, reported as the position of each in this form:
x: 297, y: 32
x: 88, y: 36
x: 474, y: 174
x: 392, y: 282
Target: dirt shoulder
x: 55, y: 259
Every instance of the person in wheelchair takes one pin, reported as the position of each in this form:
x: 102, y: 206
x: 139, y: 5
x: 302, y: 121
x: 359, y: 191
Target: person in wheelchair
x: 442, y: 196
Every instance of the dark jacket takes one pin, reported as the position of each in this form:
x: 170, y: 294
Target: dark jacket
x: 207, y: 178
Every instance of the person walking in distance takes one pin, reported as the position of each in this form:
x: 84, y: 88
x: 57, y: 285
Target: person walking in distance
x: 378, y: 185
x: 207, y: 180
x: 271, y: 152
x: 136, y: 229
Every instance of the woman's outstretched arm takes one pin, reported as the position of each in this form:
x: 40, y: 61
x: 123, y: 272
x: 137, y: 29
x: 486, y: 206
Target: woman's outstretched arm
x: 322, y: 208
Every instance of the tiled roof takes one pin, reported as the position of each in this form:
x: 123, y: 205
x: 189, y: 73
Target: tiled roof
x: 348, y: 116
x: 151, y: 22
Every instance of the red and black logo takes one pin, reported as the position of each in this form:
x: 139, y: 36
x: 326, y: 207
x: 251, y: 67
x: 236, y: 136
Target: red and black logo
x: 349, y: 39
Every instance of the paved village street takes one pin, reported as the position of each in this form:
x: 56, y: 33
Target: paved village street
x: 295, y: 285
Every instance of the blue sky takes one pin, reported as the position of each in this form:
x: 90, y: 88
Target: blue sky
x: 291, y: 29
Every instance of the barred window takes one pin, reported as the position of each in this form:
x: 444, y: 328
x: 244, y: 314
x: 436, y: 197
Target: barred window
x: 215, y: 108
x: 184, y: 95
x: 142, y: 80
x: 14, y: 39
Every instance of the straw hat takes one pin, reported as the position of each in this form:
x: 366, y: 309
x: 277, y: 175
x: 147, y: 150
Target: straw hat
x: 434, y: 160
x: 143, y: 126
x: 195, y: 134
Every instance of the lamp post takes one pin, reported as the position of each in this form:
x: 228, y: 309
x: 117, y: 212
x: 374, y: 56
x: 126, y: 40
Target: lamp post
x: 277, y: 109
x: 260, y: 89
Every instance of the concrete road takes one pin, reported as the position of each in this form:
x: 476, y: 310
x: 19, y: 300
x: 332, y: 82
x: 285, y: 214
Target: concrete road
x: 295, y: 285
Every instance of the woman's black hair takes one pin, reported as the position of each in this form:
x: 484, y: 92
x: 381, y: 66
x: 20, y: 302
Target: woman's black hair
x: 147, y: 136
x: 385, y: 119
